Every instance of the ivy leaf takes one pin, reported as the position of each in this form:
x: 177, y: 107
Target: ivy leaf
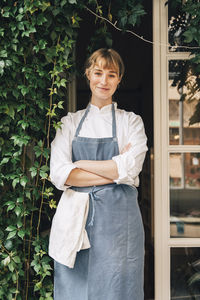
x: 19, y: 224
x: 11, y: 266
x: 6, y: 261
x: 43, y: 174
x: 3, y: 53
x: 23, y: 181
x: 5, y: 160
x: 60, y: 103
x: 21, y: 26
x: 63, y: 2
x: 15, y: 182
x: 38, y: 285
x: 52, y: 204
x: 8, y: 245
x: 20, y: 200
x: 23, y: 124
x: 33, y: 171
x: 11, y: 234
x: 57, y: 125
x: 2, y: 64
x: 72, y: 1
x: 11, y: 206
x: 123, y: 20
x: 18, y: 210
x: 188, y: 36
x: 132, y: 19
x: 45, y: 5
x: 17, y: 259
x: 11, y: 228
x: 21, y: 233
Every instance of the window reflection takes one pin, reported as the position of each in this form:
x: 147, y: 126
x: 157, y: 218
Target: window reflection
x: 178, y: 22
x: 185, y: 273
x: 185, y: 194
x: 177, y: 25
x: 184, y: 104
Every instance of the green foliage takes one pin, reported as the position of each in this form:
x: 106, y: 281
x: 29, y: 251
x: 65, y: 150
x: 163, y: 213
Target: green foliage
x: 35, y: 60
x: 124, y: 14
x: 36, y: 47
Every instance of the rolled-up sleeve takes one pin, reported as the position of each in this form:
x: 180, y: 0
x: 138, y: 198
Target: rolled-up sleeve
x: 61, y: 159
x: 129, y: 164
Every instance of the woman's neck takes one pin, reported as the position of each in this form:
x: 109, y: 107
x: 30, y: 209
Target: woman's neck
x: 100, y: 103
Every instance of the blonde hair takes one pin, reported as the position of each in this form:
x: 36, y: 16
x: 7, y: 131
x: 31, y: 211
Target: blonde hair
x: 107, y: 58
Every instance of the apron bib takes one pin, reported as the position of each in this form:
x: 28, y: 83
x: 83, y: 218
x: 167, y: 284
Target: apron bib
x: 112, y: 269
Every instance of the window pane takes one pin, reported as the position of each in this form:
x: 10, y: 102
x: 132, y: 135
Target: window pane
x: 178, y: 23
x: 185, y: 273
x: 176, y: 26
x: 184, y: 104
x: 184, y: 174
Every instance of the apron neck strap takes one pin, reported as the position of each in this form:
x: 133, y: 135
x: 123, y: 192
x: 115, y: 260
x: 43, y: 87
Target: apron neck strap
x: 114, y: 131
x: 85, y: 115
x: 82, y: 120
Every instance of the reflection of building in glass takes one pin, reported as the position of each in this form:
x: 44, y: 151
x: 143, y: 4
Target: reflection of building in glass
x: 180, y: 113
x: 184, y: 172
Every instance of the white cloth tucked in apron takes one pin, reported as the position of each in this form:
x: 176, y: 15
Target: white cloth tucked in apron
x: 68, y: 234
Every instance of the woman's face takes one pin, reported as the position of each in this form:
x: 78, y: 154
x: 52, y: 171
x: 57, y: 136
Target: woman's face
x: 103, y: 84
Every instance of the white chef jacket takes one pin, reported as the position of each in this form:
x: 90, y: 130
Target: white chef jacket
x: 68, y: 234
x: 98, y: 124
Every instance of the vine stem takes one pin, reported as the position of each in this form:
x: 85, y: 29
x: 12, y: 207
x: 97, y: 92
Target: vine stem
x: 40, y: 211
x: 48, y: 145
x: 50, y: 106
x: 31, y: 227
x: 137, y: 35
x: 17, y: 286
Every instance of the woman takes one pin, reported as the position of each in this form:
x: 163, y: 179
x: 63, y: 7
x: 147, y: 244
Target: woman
x: 100, y: 151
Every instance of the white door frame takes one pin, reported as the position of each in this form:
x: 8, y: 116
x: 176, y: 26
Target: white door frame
x: 163, y: 242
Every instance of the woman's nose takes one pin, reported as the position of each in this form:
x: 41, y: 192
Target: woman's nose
x: 104, y: 79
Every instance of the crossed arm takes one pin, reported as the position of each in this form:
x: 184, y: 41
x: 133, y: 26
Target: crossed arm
x: 91, y: 172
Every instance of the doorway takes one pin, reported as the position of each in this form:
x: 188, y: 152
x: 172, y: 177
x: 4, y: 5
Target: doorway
x: 135, y: 94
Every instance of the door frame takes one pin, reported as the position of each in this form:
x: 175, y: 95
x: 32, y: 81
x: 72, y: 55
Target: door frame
x: 162, y: 241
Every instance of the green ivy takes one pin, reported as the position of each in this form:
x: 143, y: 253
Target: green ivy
x: 37, y: 39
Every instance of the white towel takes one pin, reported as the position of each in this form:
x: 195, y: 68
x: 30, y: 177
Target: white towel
x: 68, y: 234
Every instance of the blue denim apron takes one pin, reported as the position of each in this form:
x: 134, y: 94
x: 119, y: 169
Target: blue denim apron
x: 112, y: 269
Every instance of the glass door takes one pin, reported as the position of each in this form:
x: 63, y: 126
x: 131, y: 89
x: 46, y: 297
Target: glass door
x: 177, y: 159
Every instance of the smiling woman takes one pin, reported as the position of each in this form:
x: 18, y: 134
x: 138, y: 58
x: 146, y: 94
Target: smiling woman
x: 100, y: 151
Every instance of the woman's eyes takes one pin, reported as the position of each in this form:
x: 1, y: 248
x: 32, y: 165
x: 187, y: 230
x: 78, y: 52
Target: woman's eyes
x: 109, y: 75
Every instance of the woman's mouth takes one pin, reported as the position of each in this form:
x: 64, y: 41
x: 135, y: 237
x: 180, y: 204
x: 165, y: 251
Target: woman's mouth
x: 103, y: 89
